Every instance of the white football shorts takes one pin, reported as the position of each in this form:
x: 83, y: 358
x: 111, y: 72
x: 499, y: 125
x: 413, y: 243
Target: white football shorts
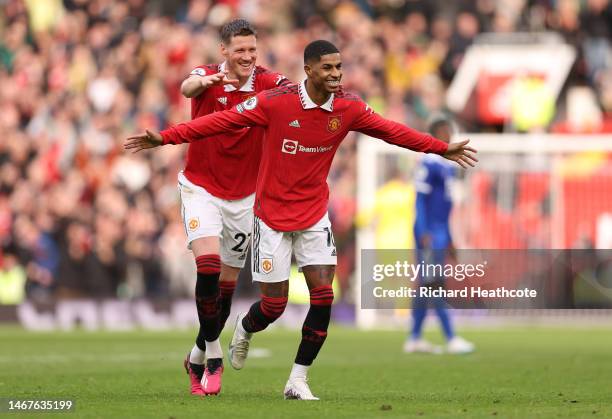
x: 205, y: 215
x: 272, y: 250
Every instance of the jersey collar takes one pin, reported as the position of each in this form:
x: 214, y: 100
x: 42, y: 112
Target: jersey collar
x: 248, y: 86
x: 307, y: 102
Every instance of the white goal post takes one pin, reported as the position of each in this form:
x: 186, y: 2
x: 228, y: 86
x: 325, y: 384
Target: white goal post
x: 509, y: 159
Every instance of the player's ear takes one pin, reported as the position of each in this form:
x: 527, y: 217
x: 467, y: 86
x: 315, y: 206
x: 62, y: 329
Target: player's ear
x: 307, y: 69
x: 223, y: 49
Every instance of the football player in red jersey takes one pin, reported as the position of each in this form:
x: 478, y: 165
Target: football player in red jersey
x: 217, y: 192
x: 304, y: 124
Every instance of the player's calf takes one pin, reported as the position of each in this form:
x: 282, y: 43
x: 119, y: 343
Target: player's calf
x: 314, y: 330
x: 260, y: 315
x: 314, y: 333
x: 207, y: 380
x: 226, y: 292
x: 207, y: 295
x: 263, y: 313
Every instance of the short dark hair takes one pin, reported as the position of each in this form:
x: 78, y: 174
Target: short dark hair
x: 236, y: 27
x: 316, y: 49
x: 437, y: 121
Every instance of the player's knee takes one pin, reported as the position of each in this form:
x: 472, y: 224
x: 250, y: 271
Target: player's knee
x: 209, y: 264
x: 273, y: 307
x: 229, y: 273
x: 322, y: 296
x: 205, y: 246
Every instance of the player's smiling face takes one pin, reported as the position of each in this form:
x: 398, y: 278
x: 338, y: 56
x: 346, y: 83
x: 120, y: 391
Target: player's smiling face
x: 241, y: 55
x: 326, y: 74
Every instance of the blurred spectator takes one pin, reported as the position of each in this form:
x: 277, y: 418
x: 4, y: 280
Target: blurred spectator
x: 12, y: 278
x: 596, y: 22
x: 466, y: 29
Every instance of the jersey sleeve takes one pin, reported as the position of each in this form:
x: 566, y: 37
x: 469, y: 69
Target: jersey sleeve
x: 202, y: 70
x: 370, y: 123
x: 272, y: 79
x: 251, y: 112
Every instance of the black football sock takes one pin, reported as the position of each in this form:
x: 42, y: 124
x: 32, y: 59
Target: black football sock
x: 213, y: 364
x: 226, y: 292
x: 263, y: 312
x: 314, y: 330
x: 207, y: 295
x: 197, y: 369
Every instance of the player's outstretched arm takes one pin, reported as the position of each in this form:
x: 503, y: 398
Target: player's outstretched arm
x: 246, y: 114
x: 150, y: 139
x: 374, y: 125
x: 195, y: 84
x: 461, y: 153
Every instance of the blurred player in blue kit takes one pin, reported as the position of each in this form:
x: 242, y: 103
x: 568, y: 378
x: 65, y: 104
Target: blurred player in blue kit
x: 434, y: 242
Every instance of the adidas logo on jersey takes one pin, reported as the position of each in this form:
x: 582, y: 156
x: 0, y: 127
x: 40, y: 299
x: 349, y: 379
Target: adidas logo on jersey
x: 333, y: 252
x: 294, y: 124
x: 223, y: 100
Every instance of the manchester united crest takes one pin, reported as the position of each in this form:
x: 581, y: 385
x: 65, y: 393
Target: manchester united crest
x: 194, y: 223
x: 334, y: 123
x: 266, y: 265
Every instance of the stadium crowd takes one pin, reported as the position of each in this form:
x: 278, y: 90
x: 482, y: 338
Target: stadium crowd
x: 80, y: 218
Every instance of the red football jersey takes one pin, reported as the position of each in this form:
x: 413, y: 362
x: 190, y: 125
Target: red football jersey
x: 300, y: 141
x: 226, y: 164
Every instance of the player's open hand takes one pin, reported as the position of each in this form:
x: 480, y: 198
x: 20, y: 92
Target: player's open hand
x: 219, y: 79
x: 461, y: 153
x: 149, y: 139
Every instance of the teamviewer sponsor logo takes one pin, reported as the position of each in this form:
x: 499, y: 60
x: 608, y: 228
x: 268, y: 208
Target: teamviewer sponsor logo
x: 290, y: 146
x: 318, y: 149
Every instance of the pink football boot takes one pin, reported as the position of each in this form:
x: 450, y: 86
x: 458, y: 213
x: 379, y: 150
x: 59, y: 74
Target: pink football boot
x: 194, y: 377
x: 211, y: 382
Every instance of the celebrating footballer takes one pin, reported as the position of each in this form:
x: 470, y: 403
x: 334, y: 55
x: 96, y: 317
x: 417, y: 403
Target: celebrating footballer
x: 303, y: 125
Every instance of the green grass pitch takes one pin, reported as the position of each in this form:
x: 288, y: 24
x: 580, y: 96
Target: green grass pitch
x: 516, y: 372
